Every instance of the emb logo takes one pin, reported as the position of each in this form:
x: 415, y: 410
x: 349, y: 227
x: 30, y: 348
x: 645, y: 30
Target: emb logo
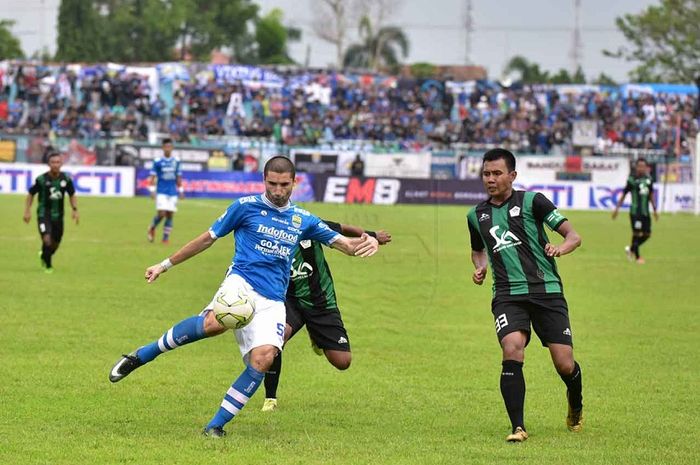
x: 505, y: 240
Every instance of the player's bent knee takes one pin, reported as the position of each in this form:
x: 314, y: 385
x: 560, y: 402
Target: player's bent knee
x: 261, y: 358
x: 340, y: 360
x: 211, y: 326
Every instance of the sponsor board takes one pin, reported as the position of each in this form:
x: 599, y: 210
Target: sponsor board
x: 227, y: 185
x: 600, y: 170
x: 400, y: 165
x: 102, y: 181
x: 389, y: 191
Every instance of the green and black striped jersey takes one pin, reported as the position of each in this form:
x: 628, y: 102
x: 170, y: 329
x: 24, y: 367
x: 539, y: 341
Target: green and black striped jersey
x: 51, y: 194
x: 642, y: 188
x: 311, y: 283
x: 514, y: 238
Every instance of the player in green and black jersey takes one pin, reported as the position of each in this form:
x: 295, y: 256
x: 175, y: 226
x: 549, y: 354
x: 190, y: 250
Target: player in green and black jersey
x: 507, y: 231
x: 51, y: 188
x: 311, y: 301
x: 641, y: 186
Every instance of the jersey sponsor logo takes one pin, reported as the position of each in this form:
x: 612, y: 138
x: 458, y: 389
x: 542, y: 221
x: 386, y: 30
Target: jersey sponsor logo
x: 501, y: 322
x: 273, y: 248
x: 250, y: 198
x: 515, y: 211
x: 484, y: 217
x: 305, y: 244
x: 296, y: 221
x: 505, y: 240
x: 300, y: 270
x: 279, y: 234
x: 263, y: 212
x: 63, y: 183
x: 55, y: 194
x: 280, y: 220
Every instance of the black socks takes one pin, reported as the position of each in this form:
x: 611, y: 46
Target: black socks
x: 272, y: 377
x: 513, y: 391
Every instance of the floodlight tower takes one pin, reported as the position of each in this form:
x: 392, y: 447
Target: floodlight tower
x: 468, y: 29
x: 576, y: 53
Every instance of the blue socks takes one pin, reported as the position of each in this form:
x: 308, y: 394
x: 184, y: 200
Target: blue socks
x: 167, y: 227
x: 237, y: 396
x: 156, y: 221
x: 186, y: 331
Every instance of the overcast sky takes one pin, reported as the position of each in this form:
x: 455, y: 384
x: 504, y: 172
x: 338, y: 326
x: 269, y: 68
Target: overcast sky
x: 540, y: 30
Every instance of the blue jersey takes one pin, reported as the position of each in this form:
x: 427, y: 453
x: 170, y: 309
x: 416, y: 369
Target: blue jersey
x: 266, y: 237
x: 166, y: 170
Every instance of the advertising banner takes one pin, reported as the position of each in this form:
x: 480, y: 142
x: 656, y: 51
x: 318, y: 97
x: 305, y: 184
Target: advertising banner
x: 390, y: 191
x: 401, y: 165
x: 8, y: 150
x: 192, y: 159
x: 544, y: 169
x: 228, y: 185
x: 319, y: 161
x: 101, y: 181
x: 315, y: 161
x: 443, y: 164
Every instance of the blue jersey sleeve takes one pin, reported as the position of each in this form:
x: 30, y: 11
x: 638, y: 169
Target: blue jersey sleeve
x: 319, y: 231
x: 154, y: 168
x: 178, y: 169
x: 231, y: 219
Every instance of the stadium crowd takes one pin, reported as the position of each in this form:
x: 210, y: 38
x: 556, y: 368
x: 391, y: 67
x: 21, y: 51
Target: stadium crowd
x: 330, y: 107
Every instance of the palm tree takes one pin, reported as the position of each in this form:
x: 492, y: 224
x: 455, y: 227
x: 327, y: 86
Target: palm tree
x: 529, y: 72
x: 376, y: 50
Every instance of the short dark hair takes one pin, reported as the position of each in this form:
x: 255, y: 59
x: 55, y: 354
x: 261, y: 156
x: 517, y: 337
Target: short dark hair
x: 497, y: 154
x: 279, y: 164
x: 643, y: 160
x: 53, y: 153
x: 167, y: 140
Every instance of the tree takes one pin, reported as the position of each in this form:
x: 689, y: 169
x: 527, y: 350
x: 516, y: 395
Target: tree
x: 9, y: 44
x: 330, y: 23
x: 604, y: 80
x: 210, y: 24
x: 377, y: 50
x: 272, y: 36
x: 664, y: 39
x: 79, y: 33
x: 529, y: 72
x: 423, y: 70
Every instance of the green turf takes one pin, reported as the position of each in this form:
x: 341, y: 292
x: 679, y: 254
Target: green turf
x: 423, y: 387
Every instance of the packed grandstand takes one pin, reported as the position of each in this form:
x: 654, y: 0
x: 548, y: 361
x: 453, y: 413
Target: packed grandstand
x: 312, y: 107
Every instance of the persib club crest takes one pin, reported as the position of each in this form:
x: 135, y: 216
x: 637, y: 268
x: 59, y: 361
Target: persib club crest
x: 296, y: 221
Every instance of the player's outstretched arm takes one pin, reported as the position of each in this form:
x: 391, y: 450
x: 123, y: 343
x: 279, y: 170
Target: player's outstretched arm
x: 480, y: 261
x: 189, y: 250
x: 363, y: 246
x: 349, y: 230
x: 571, y: 241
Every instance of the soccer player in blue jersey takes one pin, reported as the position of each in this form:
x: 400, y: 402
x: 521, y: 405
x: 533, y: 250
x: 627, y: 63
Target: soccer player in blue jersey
x: 267, y: 228
x: 165, y: 185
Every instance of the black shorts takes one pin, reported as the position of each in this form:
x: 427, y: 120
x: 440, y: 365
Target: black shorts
x: 549, y: 317
x: 641, y: 223
x: 325, y: 327
x: 53, y: 228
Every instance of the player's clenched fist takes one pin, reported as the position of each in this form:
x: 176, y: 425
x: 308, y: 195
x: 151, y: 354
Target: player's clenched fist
x: 152, y: 272
x: 479, y: 275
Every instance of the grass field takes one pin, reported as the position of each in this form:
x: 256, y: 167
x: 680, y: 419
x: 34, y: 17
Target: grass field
x: 423, y: 388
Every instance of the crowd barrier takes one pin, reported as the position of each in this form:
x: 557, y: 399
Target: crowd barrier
x: 601, y: 193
